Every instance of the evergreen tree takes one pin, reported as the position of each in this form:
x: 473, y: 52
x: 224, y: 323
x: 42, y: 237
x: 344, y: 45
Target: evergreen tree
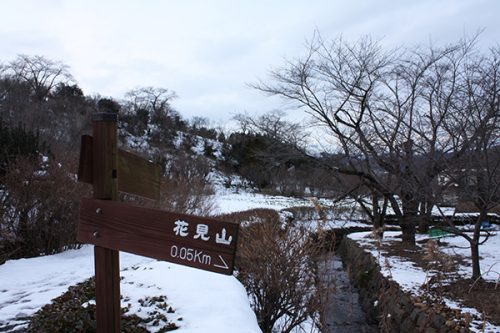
x: 17, y: 141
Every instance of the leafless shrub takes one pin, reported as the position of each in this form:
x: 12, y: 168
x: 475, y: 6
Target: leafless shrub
x: 185, y: 187
x: 439, y: 264
x: 39, y: 208
x: 277, y: 265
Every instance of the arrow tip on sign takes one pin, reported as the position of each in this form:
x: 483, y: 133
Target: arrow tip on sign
x: 223, y: 262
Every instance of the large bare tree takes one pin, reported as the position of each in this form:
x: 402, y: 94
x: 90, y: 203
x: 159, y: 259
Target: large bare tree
x: 40, y: 73
x: 477, y: 173
x: 149, y: 109
x: 395, y: 115
x: 40, y: 94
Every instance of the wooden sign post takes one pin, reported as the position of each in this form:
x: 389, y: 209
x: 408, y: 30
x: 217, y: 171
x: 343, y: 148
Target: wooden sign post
x: 104, y: 181
x: 113, y: 226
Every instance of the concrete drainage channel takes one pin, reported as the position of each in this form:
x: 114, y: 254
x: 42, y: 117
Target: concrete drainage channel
x: 344, y: 313
x: 380, y: 297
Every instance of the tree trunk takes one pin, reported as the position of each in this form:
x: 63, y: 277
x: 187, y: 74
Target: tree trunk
x: 425, y: 217
x: 476, y: 268
x: 474, y: 245
x: 407, y: 223
x: 379, y: 216
x: 24, y: 237
x: 376, y: 212
x: 408, y: 220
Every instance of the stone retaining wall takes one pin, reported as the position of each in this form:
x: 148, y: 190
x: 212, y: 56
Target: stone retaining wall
x: 384, y: 302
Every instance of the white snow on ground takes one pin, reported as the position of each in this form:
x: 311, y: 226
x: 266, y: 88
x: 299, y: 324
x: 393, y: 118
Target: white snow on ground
x: 411, y: 277
x: 489, y: 253
x: 231, y: 202
x: 408, y: 276
x: 205, y: 301
x: 329, y: 224
x: 233, y: 194
x: 28, y: 284
x: 235, y: 202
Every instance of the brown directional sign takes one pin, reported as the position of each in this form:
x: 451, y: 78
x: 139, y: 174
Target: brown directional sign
x: 184, y: 239
x: 135, y: 174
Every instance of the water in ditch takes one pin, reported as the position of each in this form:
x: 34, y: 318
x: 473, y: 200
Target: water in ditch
x: 344, y: 313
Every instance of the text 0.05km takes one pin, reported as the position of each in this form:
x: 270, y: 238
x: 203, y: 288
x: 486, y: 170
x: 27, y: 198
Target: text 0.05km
x: 190, y: 255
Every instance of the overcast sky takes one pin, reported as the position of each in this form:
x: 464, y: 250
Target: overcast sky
x: 207, y: 51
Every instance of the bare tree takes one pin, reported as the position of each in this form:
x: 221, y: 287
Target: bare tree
x: 200, y: 122
x: 155, y: 101
x: 40, y: 94
x: 40, y: 73
x: 274, y: 126
x: 148, y: 110
x: 477, y: 172
x: 394, y: 114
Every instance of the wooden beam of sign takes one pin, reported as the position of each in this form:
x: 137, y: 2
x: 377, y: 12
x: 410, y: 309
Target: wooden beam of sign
x: 188, y: 240
x: 135, y: 174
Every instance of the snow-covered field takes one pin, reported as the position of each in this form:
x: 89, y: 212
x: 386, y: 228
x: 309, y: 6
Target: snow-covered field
x: 204, y: 301
x: 230, y: 202
x: 411, y: 277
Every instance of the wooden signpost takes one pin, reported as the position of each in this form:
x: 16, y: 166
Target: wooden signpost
x: 113, y: 226
x: 183, y: 239
x: 137, y: 175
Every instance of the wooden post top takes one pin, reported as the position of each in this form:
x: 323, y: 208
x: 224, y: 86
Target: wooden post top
x: 105, y: 116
